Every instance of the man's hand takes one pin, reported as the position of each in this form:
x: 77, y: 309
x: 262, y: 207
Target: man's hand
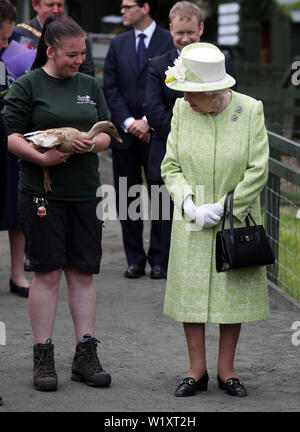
x: 140, y: 129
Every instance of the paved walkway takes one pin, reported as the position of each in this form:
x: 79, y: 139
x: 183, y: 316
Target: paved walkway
x: 143, y: 350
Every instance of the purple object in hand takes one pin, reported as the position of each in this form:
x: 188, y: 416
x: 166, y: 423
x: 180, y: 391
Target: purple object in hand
x: 18, y: 58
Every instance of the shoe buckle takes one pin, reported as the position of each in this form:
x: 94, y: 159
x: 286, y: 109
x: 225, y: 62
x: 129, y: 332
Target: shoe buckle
x: 189, y: 381
x: 233, y: 381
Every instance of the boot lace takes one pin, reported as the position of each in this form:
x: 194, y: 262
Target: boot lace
x: 89, y: 353
x: 45, y: 360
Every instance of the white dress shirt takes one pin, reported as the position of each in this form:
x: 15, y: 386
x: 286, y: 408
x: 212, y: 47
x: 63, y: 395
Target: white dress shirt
x: 148, y: 32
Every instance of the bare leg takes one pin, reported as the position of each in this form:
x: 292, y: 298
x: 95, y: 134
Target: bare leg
x: 42, y: 304
x: 17, y: 246
x: 82, y: 302
x: 229, y: 336
x: 195, y: 337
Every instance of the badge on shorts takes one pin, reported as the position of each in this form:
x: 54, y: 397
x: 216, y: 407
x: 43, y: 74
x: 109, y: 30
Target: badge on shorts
x: 41, y: 211
x: 41, y: 206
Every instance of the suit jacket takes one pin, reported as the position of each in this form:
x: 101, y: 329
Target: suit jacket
x: 159, y: 103
x: 24, y: 35
x: 124, y: 84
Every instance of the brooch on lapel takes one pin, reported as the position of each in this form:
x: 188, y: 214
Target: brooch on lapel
x: 235, y: 117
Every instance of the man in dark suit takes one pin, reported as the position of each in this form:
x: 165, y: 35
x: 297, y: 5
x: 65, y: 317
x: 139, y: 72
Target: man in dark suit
x: 186, y: 27
x: 30, y: 33
x: 124, y: 89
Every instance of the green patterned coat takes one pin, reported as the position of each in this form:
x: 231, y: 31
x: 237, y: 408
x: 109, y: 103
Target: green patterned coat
x: 222, y: 153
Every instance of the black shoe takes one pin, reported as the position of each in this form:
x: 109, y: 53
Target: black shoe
x: 86, y: 366
x: 44, y: 375
x: 157, y: 272
x: 233, y: 387
x: 188, y: 386
x: 16, y: 289
x: 134, y: 271
x: 1, y: 401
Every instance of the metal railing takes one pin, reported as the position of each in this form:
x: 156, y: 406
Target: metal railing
x: 282, y: 215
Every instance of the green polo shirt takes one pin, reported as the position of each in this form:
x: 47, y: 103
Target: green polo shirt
x: 37, y: 101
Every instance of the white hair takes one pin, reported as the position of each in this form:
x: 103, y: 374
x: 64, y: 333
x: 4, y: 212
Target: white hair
x: 215, y: 92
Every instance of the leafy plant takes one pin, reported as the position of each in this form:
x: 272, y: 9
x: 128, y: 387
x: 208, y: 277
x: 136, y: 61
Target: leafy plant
x: 249, y: 10
x: 288, y: 8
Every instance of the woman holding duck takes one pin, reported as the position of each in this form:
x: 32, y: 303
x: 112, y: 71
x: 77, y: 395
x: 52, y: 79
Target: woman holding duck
x: 63, y: 234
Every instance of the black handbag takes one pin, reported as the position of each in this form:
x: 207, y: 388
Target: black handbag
x: 241, y: 247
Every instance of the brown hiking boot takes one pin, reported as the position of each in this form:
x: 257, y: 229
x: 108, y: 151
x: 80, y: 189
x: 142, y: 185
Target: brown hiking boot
x: 86, y: 366
x: 44, y: 375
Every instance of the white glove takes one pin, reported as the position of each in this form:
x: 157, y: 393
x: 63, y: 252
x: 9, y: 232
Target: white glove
x: 206, y: 216
x: 189, y: 207
x: 216, y: 208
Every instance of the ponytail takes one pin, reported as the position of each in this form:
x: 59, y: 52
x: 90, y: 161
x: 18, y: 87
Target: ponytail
x: 54, y: 31
x: 41, y: 56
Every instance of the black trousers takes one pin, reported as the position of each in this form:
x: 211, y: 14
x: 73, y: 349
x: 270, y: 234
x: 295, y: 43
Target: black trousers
x: 127, y: 170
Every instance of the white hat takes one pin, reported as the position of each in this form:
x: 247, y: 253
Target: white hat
x: 199, y: 68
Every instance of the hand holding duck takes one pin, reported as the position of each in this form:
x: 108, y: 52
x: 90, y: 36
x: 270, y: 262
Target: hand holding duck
x: 67, y: 140
x: 64, y: 138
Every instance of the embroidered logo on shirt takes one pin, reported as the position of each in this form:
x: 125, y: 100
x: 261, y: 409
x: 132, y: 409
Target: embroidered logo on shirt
x: 85, y: 100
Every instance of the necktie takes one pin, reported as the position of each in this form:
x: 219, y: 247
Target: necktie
x: 141, y: 49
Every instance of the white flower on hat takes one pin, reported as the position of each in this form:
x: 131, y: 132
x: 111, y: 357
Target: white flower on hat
x: 176, y: 72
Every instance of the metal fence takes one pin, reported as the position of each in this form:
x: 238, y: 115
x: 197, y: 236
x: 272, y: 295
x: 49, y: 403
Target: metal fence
x: 281, y: 200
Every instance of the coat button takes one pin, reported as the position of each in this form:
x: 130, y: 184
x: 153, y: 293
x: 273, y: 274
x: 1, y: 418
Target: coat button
x: 239, y: 109
x: 234, y: 117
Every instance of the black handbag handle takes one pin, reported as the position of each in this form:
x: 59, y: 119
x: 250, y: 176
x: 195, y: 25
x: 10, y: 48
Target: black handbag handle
x: 229, y: 197
x: 225, y: 209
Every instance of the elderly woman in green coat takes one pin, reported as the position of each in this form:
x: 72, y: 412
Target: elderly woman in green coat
x: 218, y: 143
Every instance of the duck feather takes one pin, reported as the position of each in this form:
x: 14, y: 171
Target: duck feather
x: 63, y: 138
